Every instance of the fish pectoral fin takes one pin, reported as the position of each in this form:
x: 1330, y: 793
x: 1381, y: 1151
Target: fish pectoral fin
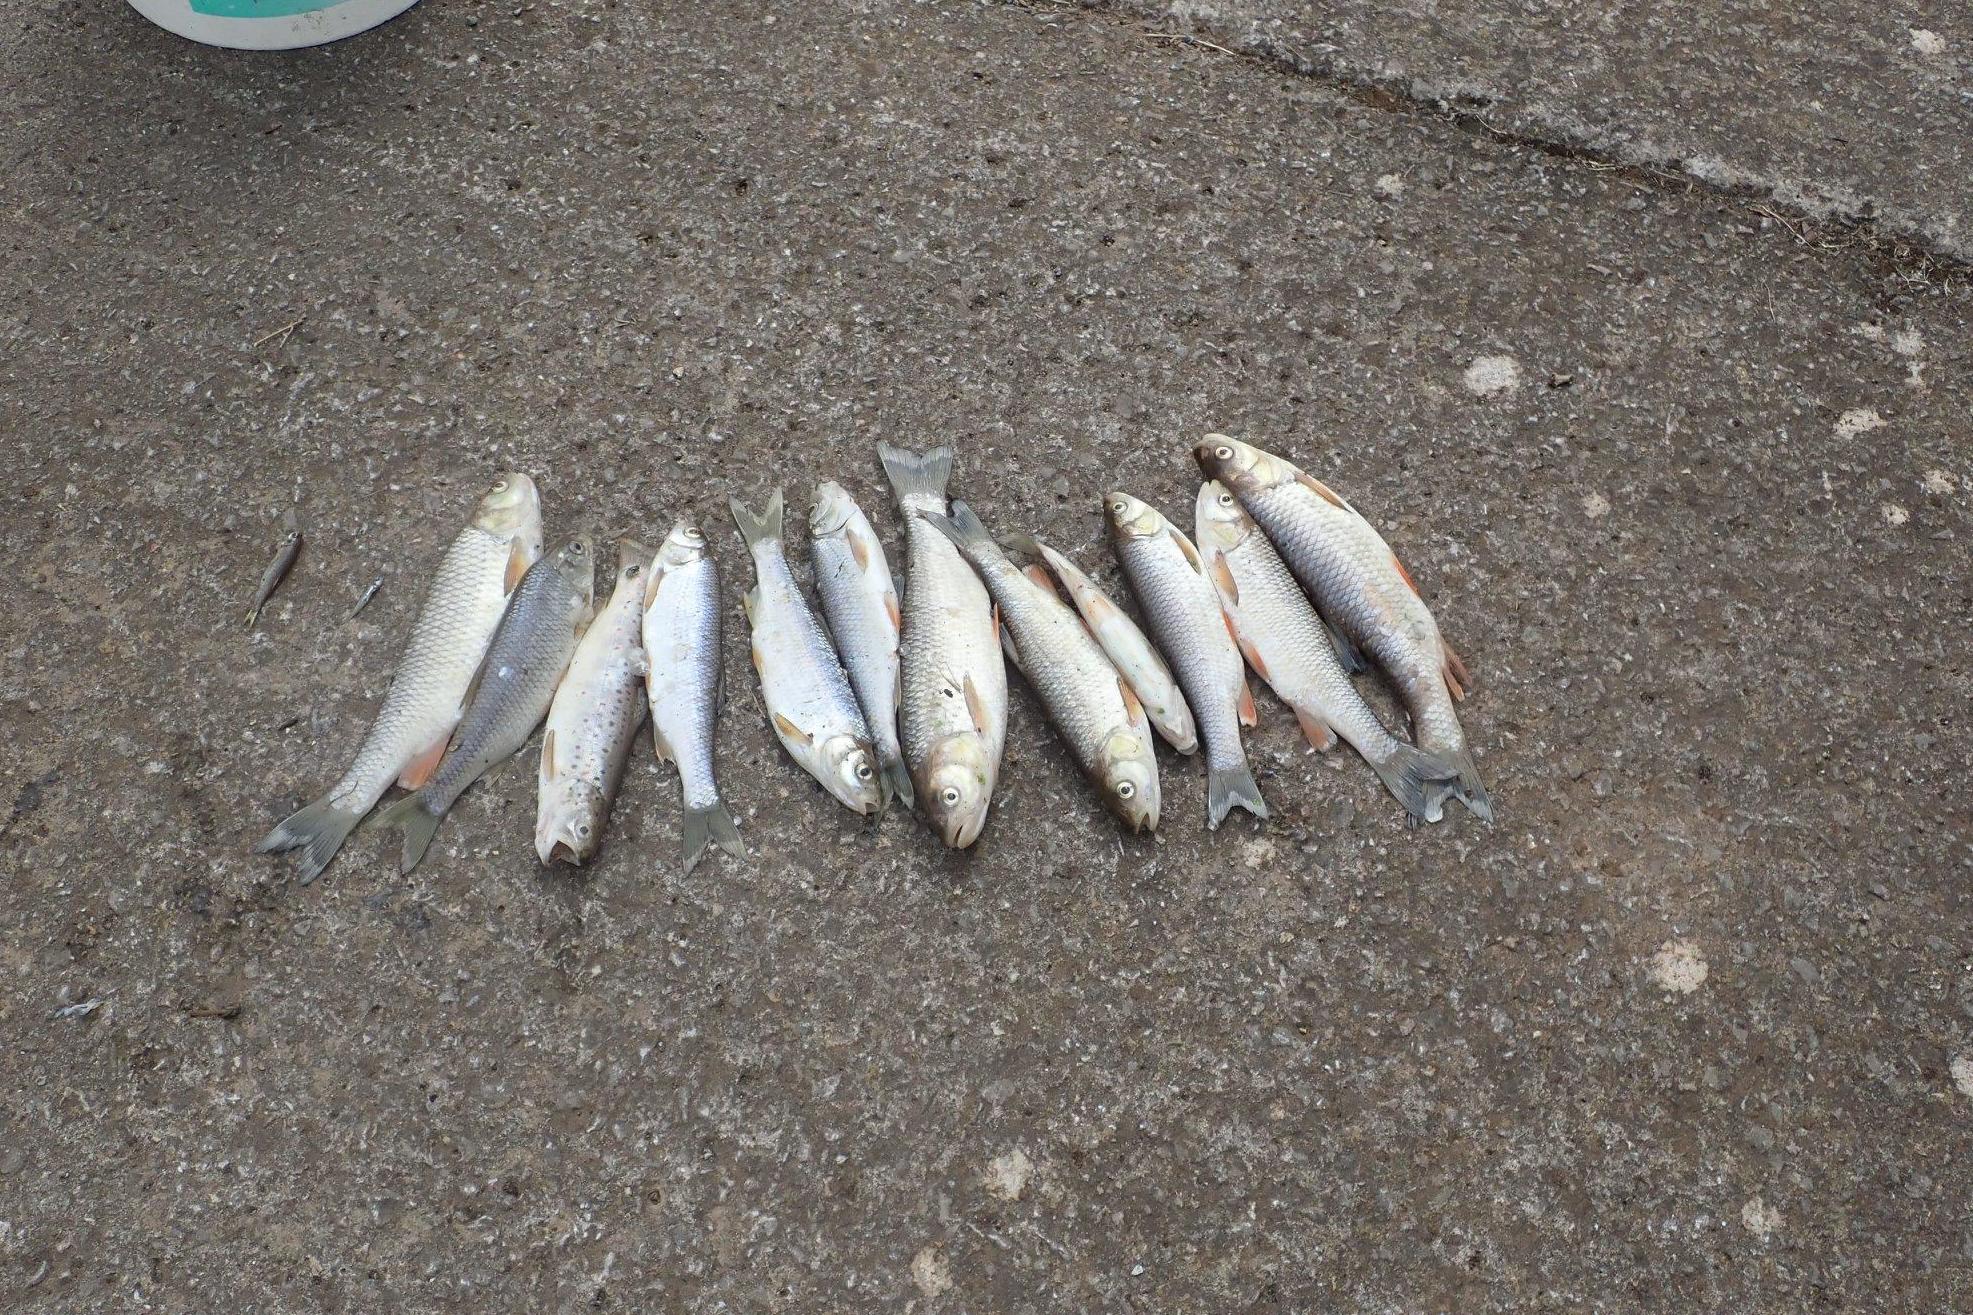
x: 1186, y: 549
x: 518, y: 562
x: 753, y: 651
x: 424, y: 762
x: 1317, y: 731
x: 892, y: 610
x: 547, y: 770
x: 652, y: 579
x: 792, y: 731
x: 1253, y: 657
x: 1249, y: 715
x: 1457, y: 681
x: 1133, y: 706
x: 1347, y: 652
x: 751, y: 602
x: 1405, y: 575
x: 975, y: 705
x: 660, y: 746
x: 1222, y: 576
x: 858, y: 549
x: 1323, y: 491
x: 1042, y: 578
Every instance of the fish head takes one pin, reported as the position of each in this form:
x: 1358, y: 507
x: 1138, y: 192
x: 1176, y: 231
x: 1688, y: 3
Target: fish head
x: 961, y: 781
x: 1219, y: 520
x: 850, y: 772
x: 575, y: 562
x: 511, y: 506
x: 633, y: 560
x: 832, y: 509
x: 685, y: 544
x: 1241, y: 467
x: 570, y: 825
x: 1131, y: 518
x: 1129, y: 777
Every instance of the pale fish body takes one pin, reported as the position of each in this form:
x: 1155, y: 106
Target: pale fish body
x: 952, y: 710
x: 1088, y: 701
x: 597, y: 711
x: 427, y: 694
x: 277, y: 570
x: 853, y: 580
x: 681, y: 643
x: 1183, y: 612
x: 1284, y: 641
x: 524, y: 663
x: 809, y: 701
x: 1128, y: 649
x: 1361, y: 590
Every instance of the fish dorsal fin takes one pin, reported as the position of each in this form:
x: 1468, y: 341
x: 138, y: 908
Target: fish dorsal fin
x: 1133, y: 706
x: 975, y: 705
x: 1223, y: 577
x: 858, y: 549
x: 1323, y: 491
x: 518, y: 562
x: 792, y: 731
x: 1185, y: 546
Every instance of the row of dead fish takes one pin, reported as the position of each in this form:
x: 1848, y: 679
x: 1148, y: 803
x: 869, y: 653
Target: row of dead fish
x: 881, y: 698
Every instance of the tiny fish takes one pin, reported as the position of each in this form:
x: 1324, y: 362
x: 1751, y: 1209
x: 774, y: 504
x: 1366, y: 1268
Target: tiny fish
x: 1362, y: 590
x: 427, y: 693
x: 1184, y: 614
x: 681, y: 642
x: 853, y: 580
x: 277, y: 570
x: 364, y: 601
x: 524, y: 663
x: 809, y: 701
x: 597, y: 712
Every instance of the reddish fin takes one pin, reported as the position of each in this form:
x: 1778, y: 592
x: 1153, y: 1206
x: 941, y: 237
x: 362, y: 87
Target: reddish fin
x: 975, y: 705
x: 1405, y: 575
x: 1185, y: 546
x: 1319, y: 735
x: 423, y: 763
x: 1253, y: 659
x: 517, y: 566
x: 891, y: 609
x: 1098, y: 609
x: 1223, y: 577
x: 1132, y: 706
x: 1249, y: 715
x: 996, y: 621
x: 1456, y: 680
x: 1042, y: 578
x: 858, y: 549
x: 791, y: 730
x: 1321, y: 490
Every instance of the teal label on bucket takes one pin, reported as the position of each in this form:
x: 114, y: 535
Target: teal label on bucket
x: 259, y: 8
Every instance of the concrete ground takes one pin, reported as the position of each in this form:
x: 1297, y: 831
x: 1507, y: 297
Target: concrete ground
x: 1690, y: 1028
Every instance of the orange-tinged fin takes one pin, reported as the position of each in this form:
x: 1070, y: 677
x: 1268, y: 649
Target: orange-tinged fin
x: 1456, y: 663
x: 1185, y: 546
x: 974, y: 703
x: 1319, y: 735
x: 1249, y: 715
x: 1132, y: 705
x: 753, y: 651
x: 1098, y: 608
x: 858, y: 549
x: 1042, y: 578
x: 1223, y: 577
x: 996, y: 625
x: 1405, y: 575
x: 791, y: 730
x: 1253, y: 658
x: 423, y: 763
x: 1454, y: 672
x: 1321, y: 490
x: 517, y: 566
x: 893, y: 611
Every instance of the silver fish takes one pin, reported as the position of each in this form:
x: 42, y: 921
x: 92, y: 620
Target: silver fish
x: 681, y: 643
x: 809, y: 701
x: 853, y: 580
x: 364, y: 601
x: 597, y: 711
x: 1184, y: 614
x: 277, y: 570
x: 524, y: 664
x: 427, y: 695
x: 1127, y: 648
x: 952, y: 709
x: 1284, y: 641
x: 1361, y: 590
x: 1088, y: 701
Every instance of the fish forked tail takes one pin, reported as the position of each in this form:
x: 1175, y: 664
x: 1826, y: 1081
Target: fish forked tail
x: 1230, y: 787
x: 318, y: 831
x: 966, y: 533
x: 917, y: 478
x: 710, y: 826
x: 418, y: 824
x: 897, y: 781
x: 1418, y: 780
x: 1467, y: 788
x: 758, y: 529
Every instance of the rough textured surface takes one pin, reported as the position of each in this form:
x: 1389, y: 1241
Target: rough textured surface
x: 1833, y: 108
x: 1688, y: 1029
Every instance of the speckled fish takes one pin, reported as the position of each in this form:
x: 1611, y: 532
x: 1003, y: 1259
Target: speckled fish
x: 1284, y: 641
x: 809, y: 701
x: 427, y: 695
x: 681, y: 642
x: 1361, y: 590
x: 860, y: 603
x: 1087, y: 700
x: 1183, y: 611
x: 952, y: 709
x: 597, y: 711
x: 277, y: 570
x: 524, y: 663
x: 1128, y: 650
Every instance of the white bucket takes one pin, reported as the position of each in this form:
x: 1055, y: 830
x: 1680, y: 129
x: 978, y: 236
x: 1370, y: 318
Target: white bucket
x: 268, y: 24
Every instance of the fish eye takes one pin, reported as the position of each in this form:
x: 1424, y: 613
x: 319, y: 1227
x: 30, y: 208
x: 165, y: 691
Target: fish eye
x: 863, y: 771
x: 950, y: 795
x: 582, y: 831
x: 630, y: 572
x: 1226, y: 499
x: 692, y: 533
x: 1120, y: 506
x: 500, y: 486
x: 576, y: 550
x: 1223, y: 452
x: 1125, y: 790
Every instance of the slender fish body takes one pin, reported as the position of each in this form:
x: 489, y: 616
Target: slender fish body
x: 1126, y: 646
x: 277, y: 570
x: 1362, y: 591
x: 809, y: 700
x: 1089, y: 702
x: 952, y: 710
x: 427, y: 694
x: 1284, y: 641
x: 681, y: 643
x: 1183, y: 611
x: 597, y: 711
x: 860, y: 603
x: 524, y: 663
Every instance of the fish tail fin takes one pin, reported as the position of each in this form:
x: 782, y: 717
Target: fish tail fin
x: 318, y: 831
x: 1418, y: 780
x: 917, y: 478
x: 1468, y: 789
x: 897, y: 777
x: 963, y: 528
x: 1021, y: 541
x: 758, y: 529
x: 710, y: 826
x: 418, y: 824
x: 1230, y: 787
